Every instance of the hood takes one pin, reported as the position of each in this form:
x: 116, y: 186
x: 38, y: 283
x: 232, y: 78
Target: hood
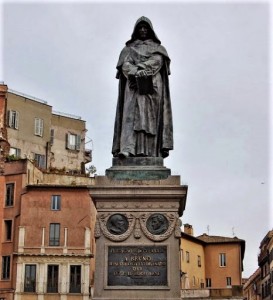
x: 149, y: 23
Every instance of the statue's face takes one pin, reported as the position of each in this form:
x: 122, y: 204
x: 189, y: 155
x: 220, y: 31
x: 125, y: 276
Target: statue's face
x: 120, y: 222
x: 143, y: 31
x: 156, y: 224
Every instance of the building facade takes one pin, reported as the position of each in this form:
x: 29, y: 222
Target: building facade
x: 4, y: 144
x: 192, y: 253
x: 54, y: 141
x: 252, y: 286
x: 46, y: 214
x: 47, y: 245
x: 270, y: 248
x: 224, y: 257
x: 264, y: 264
x: 260, y: 285
x: 213, y: 262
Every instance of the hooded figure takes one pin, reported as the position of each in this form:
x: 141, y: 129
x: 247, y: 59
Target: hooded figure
x: 143, y: 124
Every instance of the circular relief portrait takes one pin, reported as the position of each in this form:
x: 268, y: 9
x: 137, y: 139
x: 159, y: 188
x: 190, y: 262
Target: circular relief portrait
x: 117, y: 224
x: 157, y: 224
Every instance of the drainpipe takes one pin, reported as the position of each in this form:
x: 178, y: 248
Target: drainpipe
x: 47, y: 147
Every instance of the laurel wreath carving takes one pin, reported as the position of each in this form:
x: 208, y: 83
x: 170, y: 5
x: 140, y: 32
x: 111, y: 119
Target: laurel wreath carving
x: 103, y: 218
x: 97, y: 231
x: 177, y: 232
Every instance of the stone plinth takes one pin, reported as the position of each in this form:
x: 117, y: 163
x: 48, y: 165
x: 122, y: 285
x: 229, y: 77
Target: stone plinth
x: 137, y: 238
x: 138, y: 168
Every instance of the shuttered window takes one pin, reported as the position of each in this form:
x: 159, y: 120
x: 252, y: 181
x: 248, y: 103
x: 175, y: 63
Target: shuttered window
x: 13, y: 119
x: 38, y: 127
x: 54, y: 234
x: 73, y: 141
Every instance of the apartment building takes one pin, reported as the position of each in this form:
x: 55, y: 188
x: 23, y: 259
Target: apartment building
x: 224, y: 257
x: 213, y: 262
x: 54, y: 140
x: 4, y: 144
x: 46, y: 214
x: 270, y: 248
x: 259, y: 285
x: 47, y: 245
x: 265, y: 264
x: 252, y: 286
x: 192, y: 257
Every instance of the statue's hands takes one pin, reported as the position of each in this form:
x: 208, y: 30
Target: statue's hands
x: 141, y: 73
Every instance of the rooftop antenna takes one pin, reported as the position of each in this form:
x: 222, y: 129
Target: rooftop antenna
x: 233, y: 231
x: 208, y: 229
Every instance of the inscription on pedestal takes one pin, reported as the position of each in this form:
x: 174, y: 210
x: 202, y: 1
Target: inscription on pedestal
x: 137, y: 266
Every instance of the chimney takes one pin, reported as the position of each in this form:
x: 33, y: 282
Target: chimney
x: 188, y: 229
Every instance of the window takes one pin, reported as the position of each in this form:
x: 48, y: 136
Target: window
x: 16, y: 152
x: 182, y: 255
x: 5, y: 267
x: 208, y: 282
x: 52, y: 278
x: 55, y: 202
x: 9, y: 194
x: 187, y: 257
x: 30, y: 278
x: 8, y: 230
x: 54, y: 234
x: 73, y: 141
x: 193, y: 281
x: 38, y: 127
x: 228, y: 281
x: 268, y: 287
x: 13, y: 119
x: 199, y: 260
x: 51, y: 136
x: 222, y: 259
x: 75, y: 279
x: 40, y: 160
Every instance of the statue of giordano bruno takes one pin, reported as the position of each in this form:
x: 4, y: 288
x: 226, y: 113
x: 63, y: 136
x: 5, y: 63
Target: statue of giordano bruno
x: 143, y: 124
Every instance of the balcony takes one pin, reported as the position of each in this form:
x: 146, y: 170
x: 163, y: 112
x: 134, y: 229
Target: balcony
x: 87, y: 156
x: 263, y: 256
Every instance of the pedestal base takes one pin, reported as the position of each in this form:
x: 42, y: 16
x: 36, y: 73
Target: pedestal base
x: 138, y: 168
x: 138, y: 237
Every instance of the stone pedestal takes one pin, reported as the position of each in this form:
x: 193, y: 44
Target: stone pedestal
x: 137, y: 237
x: 138, y: 168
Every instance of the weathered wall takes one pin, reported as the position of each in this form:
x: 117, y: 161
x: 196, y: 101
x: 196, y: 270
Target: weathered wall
x: 232, y: 269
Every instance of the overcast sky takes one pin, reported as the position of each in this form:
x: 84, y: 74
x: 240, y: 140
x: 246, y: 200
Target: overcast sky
x: 66, y: 53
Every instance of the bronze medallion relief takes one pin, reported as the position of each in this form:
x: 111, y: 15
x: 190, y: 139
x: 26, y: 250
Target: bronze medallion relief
x: 117, y: 224
x: 157, y: 224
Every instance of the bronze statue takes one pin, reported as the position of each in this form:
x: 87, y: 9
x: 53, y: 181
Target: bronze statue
x: 143, y: 124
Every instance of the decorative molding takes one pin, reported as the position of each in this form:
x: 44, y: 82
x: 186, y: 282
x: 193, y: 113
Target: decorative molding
x: 137, y: 232
x: 137, y: 223
x: 177, y: 232
x: 50, y: 259
x: 142, y: 204
x: 97, y: 231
